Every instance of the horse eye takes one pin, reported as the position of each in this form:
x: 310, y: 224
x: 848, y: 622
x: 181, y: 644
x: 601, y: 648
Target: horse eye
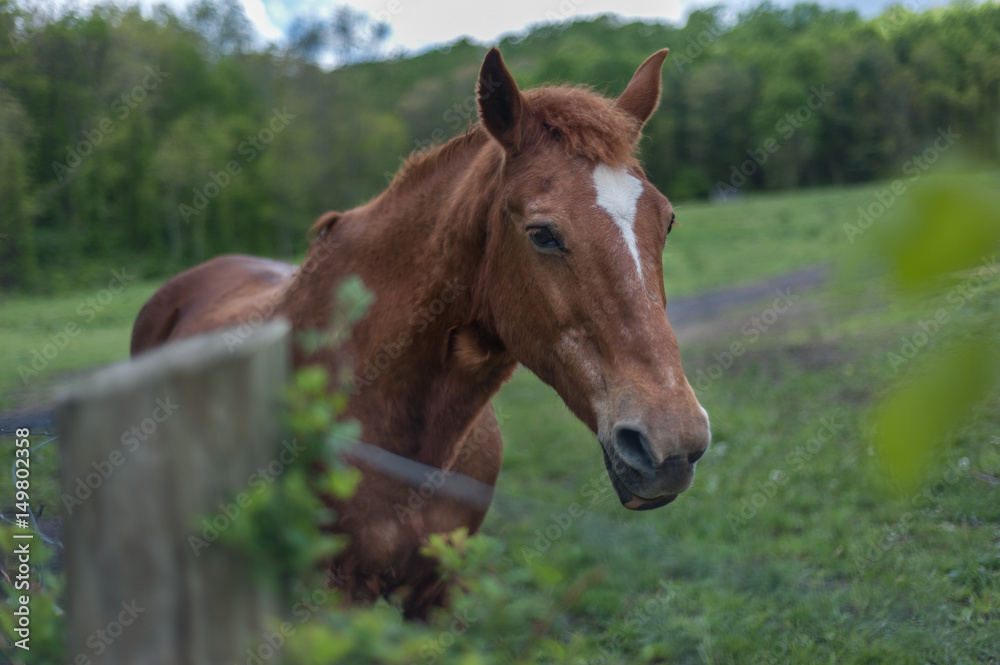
x: 543, y: 238
x: 670, y: 226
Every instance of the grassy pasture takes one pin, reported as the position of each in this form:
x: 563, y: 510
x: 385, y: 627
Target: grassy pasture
x: 791, y: 547
x: 715, y: 246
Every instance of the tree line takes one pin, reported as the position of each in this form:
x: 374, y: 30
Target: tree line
x: 163, y: 139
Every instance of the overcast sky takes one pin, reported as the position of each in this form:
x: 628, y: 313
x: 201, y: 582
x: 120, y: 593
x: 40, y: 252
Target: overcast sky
x: 419, y: 24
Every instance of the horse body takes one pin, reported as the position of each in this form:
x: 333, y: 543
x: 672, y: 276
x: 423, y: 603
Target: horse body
x: 207, y: 297
x: 533, y: 238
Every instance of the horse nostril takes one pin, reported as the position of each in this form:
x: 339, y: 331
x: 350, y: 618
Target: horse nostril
x: 632, y: 447
x: 696, y: 455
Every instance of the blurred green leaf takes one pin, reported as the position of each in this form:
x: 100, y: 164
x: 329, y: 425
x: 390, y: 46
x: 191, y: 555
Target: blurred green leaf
x: 940, y: 229
x: 914, y: 422
x: 311, y: 380
x: 354, y: 299
x: 342, y: 483
x: 547, y: 575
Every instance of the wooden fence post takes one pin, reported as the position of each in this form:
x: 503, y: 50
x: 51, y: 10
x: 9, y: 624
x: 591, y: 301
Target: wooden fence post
x: 150, y: 449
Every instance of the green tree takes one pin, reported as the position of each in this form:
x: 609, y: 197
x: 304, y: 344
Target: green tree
x: 18, y: 257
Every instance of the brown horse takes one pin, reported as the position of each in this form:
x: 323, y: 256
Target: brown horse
x: 533, y: 238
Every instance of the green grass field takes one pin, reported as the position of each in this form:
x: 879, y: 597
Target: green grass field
x: 792, y: 547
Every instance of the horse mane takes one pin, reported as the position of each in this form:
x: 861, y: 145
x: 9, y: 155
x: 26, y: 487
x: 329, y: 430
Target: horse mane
x: 424, y: 161
x: 585, y: 123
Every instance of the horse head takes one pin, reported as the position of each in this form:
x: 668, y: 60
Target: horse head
x: 575, y: 288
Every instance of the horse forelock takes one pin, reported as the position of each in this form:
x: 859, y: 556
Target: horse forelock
x: 585, y: 123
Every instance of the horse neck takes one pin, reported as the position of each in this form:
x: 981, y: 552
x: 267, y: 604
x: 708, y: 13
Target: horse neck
x: 425, y: 359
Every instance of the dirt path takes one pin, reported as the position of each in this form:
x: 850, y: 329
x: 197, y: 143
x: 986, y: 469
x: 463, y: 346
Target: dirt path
x: 687, y: 316
x: 686, y: 312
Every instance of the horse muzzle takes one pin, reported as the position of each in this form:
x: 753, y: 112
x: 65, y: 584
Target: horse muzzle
x: 642, y: 480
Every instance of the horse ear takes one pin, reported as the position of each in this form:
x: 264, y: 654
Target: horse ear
x: 323, y: 224
x: 499, y: 100
x: 642, y: 95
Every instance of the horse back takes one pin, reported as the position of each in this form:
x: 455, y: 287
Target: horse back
x: 216, y: 294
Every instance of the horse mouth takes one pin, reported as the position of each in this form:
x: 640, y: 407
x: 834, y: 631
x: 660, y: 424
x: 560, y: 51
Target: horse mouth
x: 630, y: 499
x: 638, y: 503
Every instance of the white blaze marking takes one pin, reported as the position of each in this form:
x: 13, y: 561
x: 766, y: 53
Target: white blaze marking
x: 708, y: 423
x: 618, y: 192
